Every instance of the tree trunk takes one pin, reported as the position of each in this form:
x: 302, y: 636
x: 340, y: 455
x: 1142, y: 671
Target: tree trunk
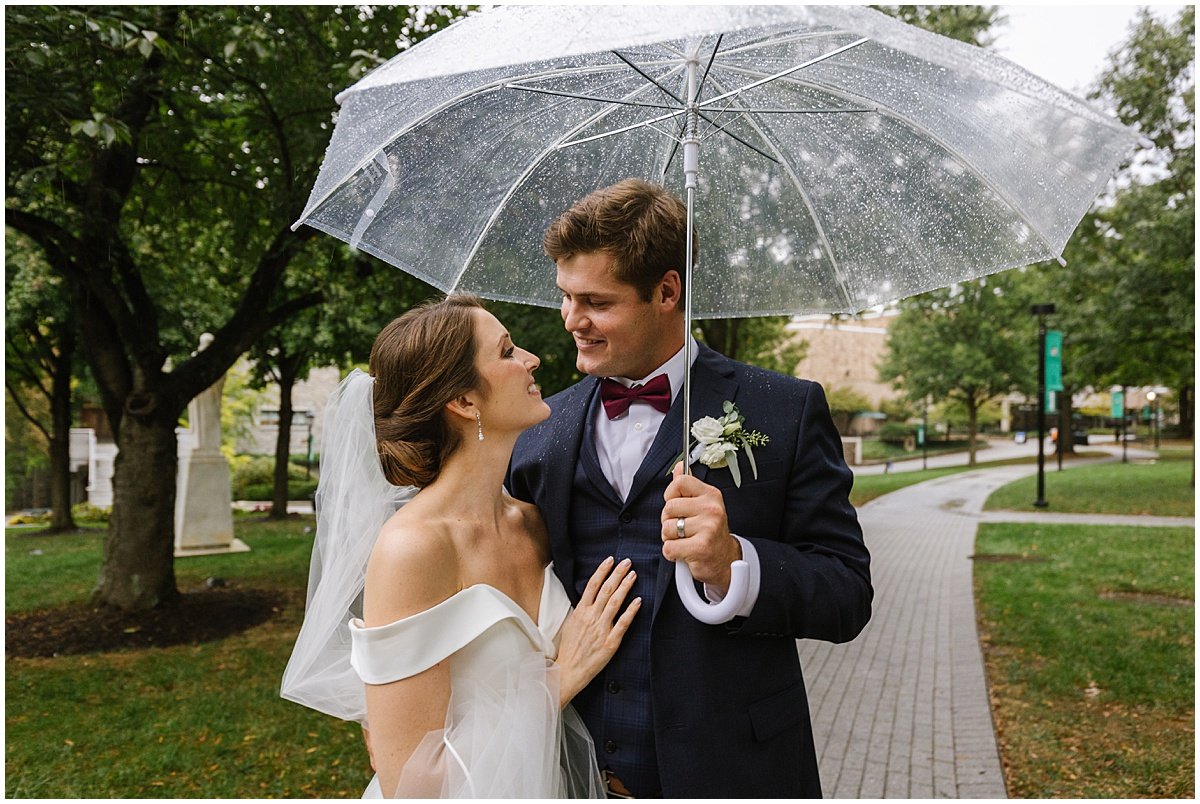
x: 721, y: 335
x: 1066, y: 423
x: 972, y: 428
x: 283, y: 441
x: 138, y: 571
x: 1187, y: 421
x: 60, y: 439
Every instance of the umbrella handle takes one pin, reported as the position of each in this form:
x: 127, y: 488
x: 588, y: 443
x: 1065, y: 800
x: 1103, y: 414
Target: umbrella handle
x: 713, y: 613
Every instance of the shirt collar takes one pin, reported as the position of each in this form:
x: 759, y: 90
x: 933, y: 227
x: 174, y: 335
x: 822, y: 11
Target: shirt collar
x: 674, y: 368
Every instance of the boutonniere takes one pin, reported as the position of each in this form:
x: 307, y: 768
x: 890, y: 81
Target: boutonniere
x: 721, y: 439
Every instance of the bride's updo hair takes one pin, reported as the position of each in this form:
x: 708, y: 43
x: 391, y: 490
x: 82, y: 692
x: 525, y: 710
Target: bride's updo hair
x: 420, y: 361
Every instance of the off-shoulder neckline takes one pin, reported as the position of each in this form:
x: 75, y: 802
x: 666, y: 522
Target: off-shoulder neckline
x: 535, y: 622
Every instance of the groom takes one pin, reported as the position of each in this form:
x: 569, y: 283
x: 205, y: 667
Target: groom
x: 686, y: 709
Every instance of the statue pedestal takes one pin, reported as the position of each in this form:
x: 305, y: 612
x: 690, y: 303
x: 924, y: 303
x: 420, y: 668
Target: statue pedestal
x: 204, y: 507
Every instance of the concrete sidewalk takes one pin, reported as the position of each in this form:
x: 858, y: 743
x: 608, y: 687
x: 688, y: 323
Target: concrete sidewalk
x: 903, y: 710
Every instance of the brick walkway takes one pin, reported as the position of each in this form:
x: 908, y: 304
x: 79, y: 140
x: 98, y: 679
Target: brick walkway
x: 902, y: 711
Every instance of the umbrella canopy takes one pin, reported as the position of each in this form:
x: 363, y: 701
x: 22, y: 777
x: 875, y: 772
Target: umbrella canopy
x: 848, y: 159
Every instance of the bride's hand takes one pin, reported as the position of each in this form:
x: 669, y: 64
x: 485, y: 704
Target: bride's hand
x: 593, y: 631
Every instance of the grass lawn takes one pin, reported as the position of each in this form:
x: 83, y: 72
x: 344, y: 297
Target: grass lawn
x: 1161, y: 487
x: 868, y: 487
x: 1088, y: 642
x: 187, y: 721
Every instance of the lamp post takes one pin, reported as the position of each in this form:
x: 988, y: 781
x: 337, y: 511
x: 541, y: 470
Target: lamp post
x: 925, y: 436
x: 1041, y: 311
x: 1153, y: 399
x: 1124, y: 427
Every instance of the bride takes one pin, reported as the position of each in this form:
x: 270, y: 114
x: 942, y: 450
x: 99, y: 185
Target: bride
x: 434, y: 616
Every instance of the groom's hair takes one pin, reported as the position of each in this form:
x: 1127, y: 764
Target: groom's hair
x: 421, y: 361
x: 640, y: 225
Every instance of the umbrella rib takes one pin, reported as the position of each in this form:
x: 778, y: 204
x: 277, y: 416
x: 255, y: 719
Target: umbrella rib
x: 446, y: 104
x: 784, y: 40
x: 785, y: 73
x: 525, y: 174
x: 649, y: 78
x: 966, y: 163
x: 724, y: 130
x: 621, y: 130
x: 812, y: 211
x: 588, y: 97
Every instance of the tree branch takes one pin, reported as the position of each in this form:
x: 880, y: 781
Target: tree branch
x: 68, y: 255
x: 12, y: 393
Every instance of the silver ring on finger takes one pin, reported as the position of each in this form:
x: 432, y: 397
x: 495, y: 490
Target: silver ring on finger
x: 679, y: 528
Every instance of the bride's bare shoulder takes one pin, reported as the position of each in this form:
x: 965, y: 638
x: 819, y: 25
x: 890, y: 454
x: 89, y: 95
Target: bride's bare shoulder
x: 533, y: 524
x: 413, y: 567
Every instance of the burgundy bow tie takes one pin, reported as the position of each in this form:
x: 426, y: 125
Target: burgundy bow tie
x: 617, y: 398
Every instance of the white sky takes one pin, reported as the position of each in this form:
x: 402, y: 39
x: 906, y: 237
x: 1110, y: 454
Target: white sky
x: 1067, y: 45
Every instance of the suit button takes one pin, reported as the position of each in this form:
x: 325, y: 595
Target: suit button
x: 626, y: 517
x: 610, y: 747
x: 614, y: 687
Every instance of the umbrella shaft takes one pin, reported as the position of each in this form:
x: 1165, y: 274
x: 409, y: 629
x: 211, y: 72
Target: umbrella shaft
x: 687, y: 333
x: 691, y: 170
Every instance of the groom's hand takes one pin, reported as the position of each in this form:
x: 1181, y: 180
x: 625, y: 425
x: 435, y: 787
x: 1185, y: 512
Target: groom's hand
x: 707, y: 546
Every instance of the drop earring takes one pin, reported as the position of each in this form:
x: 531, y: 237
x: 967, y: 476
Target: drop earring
x: 479, y: 423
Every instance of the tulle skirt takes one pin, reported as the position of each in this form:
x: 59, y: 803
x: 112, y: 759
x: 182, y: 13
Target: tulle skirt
x: 505, y: 737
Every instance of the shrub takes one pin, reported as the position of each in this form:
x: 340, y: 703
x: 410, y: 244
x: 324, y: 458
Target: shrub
x: 897, y: 433
x: 297, y: 490
x: 87, y: 514
x: 259, y: 470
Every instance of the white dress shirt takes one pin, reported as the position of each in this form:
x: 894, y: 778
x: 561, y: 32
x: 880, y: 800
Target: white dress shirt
x: 622, y: 444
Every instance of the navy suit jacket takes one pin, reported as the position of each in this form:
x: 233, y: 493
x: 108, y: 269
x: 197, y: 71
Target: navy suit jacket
x: 730, y: 708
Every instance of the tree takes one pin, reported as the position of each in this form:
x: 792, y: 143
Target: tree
x: 968, y: 343
x: 762, y: 341
x: 158, y: 156
x: 40, y: 344
x: 1127, y: 300
x: 338, y: 332
x: 971, y: 24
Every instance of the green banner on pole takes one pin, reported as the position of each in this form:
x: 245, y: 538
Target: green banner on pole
x: 1118, y: 405
x: 1051, y: 401
x: 1054, y: 348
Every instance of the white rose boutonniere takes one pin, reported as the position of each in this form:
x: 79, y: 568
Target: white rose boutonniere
x: 721, y: 439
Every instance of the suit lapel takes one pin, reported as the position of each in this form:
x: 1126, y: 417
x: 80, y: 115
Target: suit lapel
x: 565, y: 439
x: 713, y: 383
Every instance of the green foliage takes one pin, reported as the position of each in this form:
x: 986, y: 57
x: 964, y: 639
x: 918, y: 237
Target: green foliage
x: 1127, y: 302
x: 540, y: 330
x: 25, y: 453
x: 87, y: 514
x: 897, y: 433
x: 158, y: 155
x: 763, y: 341
x: 969, y: 342
x: 955, y: 413
x: 250, y: 471
x: 846, y: 401
x: 971, y: 24
x: 899, y: 409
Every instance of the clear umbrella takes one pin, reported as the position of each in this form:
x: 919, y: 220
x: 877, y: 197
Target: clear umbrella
x: 848, y: 159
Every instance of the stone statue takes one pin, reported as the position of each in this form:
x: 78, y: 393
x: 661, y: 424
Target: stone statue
x: 204, y: 412
x: 203, y: 504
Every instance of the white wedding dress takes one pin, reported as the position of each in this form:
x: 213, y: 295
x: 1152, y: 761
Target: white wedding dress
x: 504, y: 736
